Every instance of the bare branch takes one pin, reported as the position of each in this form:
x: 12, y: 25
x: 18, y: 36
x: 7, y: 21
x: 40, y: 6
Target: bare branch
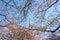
x: 7, y: 3
x: 4, y: 16
x: 52, y: 5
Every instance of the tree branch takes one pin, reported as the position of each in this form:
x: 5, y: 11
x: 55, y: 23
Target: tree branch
x: 4, y: 16
x: 52, y: 31
x: 52, y: 4
x: 7, y: 3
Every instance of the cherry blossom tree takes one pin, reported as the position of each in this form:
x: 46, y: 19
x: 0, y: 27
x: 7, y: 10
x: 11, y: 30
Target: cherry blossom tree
x: 29, y: 19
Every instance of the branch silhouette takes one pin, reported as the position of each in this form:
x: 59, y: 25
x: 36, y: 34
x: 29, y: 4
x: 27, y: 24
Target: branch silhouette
x: 52, y: 4
x: 4, y: 16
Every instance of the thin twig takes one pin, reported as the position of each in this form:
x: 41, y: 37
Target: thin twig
x: 5, y: 17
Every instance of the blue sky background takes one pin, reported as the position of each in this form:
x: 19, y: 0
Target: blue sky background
x: 50, y: 13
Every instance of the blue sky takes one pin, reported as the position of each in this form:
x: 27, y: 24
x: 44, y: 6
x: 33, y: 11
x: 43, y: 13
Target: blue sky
x: 30, y: 17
